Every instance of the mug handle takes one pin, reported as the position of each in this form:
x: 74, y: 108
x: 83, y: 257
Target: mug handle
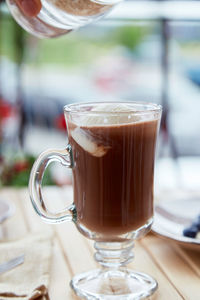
x: 35, y: 185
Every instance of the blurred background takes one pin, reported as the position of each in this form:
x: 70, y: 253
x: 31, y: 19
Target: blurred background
x: 149, y: 53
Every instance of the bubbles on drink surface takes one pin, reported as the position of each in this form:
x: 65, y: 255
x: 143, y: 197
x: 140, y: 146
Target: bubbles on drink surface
x: 51, y: 18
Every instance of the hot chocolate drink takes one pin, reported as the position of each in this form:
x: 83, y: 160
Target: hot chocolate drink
x: 113, y: 172
x: 111, y: 153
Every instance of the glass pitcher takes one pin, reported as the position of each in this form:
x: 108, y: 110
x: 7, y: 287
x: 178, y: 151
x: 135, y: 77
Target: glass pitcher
x: 52, y: 18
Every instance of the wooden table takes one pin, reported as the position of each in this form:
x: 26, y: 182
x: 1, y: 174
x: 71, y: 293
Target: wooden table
x: 176, y: 269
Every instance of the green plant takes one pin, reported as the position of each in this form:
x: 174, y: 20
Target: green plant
x: 129, y: 36
x: 16, y: 173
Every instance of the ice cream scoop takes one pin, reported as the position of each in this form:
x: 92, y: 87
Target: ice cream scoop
x: 111, y: 114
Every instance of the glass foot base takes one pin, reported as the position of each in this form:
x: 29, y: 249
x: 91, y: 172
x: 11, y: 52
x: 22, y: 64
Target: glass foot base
x: 120, y: 284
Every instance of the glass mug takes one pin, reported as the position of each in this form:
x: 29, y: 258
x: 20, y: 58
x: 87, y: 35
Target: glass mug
x: 111, y: 151
x: 51, y: 18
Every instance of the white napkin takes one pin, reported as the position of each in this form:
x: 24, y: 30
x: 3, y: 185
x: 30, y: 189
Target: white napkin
x: 29, y: 280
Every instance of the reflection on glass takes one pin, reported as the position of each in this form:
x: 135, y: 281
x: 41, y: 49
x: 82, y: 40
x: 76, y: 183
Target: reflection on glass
x: 51, y: 18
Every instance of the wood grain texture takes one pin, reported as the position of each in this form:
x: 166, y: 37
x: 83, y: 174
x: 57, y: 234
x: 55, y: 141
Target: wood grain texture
x: 176, y: 269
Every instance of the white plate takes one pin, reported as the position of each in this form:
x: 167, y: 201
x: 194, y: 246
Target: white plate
x: 171, y: 217
x: 6, y: 210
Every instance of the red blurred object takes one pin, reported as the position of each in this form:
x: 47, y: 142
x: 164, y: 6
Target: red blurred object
x: 21, y: 166
x: 5, y: 109
x: 60, y: 123
x: 112, y: 72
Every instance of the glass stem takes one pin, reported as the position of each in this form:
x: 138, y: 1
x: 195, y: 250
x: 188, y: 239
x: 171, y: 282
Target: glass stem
x: 114, y: 254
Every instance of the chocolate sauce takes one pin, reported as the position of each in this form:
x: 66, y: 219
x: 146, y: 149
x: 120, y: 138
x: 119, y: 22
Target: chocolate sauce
x: 113, y: 191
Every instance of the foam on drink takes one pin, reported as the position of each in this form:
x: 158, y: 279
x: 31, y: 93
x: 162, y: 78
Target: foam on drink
x: 104, y: 115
